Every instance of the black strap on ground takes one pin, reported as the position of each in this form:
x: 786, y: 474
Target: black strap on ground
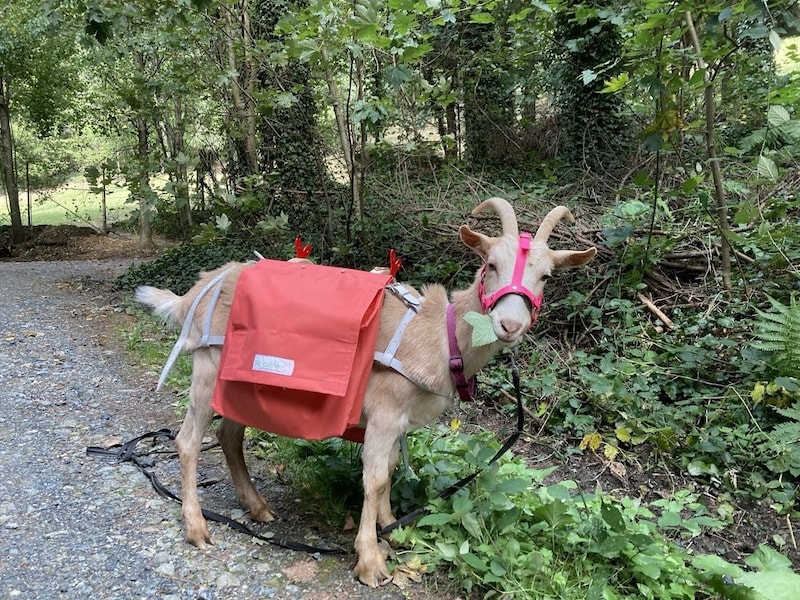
x: 126, y: 453
x: 452, y: 489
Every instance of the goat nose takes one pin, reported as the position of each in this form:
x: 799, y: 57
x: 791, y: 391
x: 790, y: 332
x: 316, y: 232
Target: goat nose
x: 512, y: 327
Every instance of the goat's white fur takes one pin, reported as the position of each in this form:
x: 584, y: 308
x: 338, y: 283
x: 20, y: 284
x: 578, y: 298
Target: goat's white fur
x: 392, y: 404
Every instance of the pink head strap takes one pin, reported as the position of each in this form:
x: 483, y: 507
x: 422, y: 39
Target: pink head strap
x: 515, y: 287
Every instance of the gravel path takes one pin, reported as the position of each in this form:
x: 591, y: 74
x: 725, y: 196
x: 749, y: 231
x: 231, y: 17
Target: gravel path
x: 73, y: 526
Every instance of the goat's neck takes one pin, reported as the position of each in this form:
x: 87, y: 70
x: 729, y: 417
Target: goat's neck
x: 474, y: 358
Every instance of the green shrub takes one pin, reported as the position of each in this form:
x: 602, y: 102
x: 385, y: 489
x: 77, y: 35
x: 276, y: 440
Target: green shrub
x: 178, y: 268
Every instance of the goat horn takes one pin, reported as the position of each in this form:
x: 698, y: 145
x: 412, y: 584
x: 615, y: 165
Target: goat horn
x: 550, y: 221
x: 504, y: 210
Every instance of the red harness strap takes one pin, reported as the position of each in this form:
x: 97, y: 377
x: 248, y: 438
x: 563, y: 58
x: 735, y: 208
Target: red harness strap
x: 465, y: 387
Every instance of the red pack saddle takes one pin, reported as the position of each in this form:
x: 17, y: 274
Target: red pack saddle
x: 299, y: 348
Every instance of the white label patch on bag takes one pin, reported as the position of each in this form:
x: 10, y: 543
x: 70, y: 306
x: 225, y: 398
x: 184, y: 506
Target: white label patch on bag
x: 273, y: 364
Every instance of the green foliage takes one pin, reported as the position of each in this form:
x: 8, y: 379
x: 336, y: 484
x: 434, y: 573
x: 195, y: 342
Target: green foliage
x: 38, y: 63
x: 178, y: 268
x: 778, y: 333
x: 771, y: 576
x: 673, y: 393
x: 777, y: 143
x: 782, y: 446
x: 150, y: 342
x: 515, y: 531
x: 482, y: 330
x: 326, y: 473
x: 587, y: 45
x: 54, y: 159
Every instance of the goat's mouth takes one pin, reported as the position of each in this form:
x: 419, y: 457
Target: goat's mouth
x: 510, y: 339
x: 510, y: 331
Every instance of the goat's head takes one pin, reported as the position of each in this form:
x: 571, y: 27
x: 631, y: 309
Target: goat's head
x: 511, y: 281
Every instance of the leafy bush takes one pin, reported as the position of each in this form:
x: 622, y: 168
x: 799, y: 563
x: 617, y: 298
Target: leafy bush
x: 513, y: 533
x: 178, y: 268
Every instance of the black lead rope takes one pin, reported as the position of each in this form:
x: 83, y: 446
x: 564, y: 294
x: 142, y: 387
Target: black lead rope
x: 126, y: 453
x: 452, y: 489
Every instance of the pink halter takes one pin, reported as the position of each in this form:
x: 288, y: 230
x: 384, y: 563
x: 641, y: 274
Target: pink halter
x: 515, y: 287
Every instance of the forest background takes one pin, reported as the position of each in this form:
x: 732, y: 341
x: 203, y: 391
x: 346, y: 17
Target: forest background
x: 669, y: 128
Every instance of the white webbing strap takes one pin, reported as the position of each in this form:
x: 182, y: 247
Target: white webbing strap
x: 387, y: 358
x: 402, y: 292
x: 187, y: 325
x: 206, y: 339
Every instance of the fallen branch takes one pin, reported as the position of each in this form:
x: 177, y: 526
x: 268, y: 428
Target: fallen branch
x: 682, y: 267
x: 656, y: 311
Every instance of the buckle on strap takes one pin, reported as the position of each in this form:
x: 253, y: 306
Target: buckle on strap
x: 464, y: 386
x: 405, y: 296
x: 457, y: 366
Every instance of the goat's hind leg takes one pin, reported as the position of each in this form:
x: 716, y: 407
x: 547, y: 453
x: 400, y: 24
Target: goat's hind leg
x: 230, y: 435
x: 190, y: 437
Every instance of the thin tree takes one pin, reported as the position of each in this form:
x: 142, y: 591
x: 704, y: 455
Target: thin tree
x: 7, y: 157
x: 711, y: 150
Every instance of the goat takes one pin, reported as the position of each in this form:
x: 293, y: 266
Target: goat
x: 508, y: 288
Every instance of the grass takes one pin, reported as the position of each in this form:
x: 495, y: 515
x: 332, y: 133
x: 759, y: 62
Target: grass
x: 150, y: 341
x: 70, y: 204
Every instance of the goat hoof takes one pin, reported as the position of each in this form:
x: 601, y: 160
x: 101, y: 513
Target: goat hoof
x: 262, y: 515
x: 199, y: 537
x: 372, y: 577
x: 375, y: 581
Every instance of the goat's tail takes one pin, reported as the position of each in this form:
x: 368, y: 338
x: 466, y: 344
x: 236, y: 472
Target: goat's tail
x: 163, y: 302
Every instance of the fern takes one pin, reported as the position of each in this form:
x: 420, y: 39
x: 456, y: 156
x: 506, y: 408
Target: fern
x: 778, y: 333
x: 782, y: 446
x: 789, y: 432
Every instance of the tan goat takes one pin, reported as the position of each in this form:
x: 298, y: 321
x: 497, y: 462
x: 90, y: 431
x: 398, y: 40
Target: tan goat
x: 508, y: 288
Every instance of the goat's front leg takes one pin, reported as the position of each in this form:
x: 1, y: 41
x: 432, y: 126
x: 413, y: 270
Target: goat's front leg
x: 371, y: 566
x: 230, y: 435
x: 189, y: 439
x: 385, y: 515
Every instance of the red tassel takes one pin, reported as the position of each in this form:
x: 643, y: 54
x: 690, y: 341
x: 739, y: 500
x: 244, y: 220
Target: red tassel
x: 300, y: 250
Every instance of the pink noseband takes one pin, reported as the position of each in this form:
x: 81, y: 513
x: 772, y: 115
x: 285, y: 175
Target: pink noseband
x: 515, y: 287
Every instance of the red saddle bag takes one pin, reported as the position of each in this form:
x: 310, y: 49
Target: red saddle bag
x: 299, y: 348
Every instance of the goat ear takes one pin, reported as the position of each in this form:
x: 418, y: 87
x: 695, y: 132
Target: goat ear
x: 477, y: 241
x: 565, y: 259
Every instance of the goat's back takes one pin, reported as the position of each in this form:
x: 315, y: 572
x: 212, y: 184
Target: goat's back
x: 422, y: 336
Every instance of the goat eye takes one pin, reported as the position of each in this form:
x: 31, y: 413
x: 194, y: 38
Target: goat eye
x: 491, y: 266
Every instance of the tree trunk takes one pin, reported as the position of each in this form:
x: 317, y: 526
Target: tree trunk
x: 489, y: 120
x: 174, y: 149
x: 711, y: 149
x: 104, y: 201
x: 243, y: 87
x: 143, y: 186
x: 9, y: 175
x: 590, y: 124
x: 341, y: 126
x: 182, y: 200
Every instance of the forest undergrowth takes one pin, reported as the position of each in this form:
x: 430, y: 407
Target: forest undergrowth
x: 662, y: 446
